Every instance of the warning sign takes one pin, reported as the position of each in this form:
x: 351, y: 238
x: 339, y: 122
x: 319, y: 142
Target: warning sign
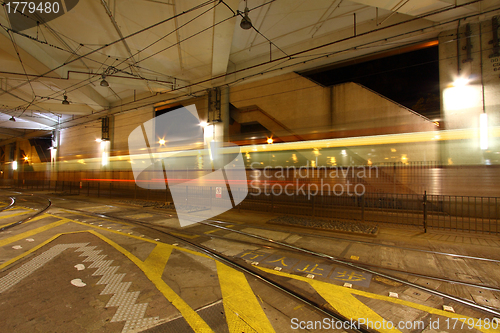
x: 218, y: 192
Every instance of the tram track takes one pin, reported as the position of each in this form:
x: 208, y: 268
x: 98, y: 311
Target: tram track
x: 365, y: 265
x: 224, y: 259
x: 447, y: 254
x: 219, y: 256
x: 12, y: 203
x: 371, y: 271
x: 360, y: 267
x: 26, y: 219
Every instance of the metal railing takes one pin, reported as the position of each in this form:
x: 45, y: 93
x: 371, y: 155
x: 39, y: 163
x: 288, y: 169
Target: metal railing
x: 430, y: 212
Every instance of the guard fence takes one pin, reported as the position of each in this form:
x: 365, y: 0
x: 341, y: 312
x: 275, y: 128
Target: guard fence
x: 435, y: 212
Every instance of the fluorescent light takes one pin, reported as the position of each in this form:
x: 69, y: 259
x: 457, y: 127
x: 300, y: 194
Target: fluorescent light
x: 483, y: 131
x: 14, y: 165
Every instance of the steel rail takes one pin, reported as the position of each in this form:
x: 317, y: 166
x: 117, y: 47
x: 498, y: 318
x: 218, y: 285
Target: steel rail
x: 354, y: 325
x: 28, y: 218
x: 368, y: 270
x: 12, y: 203
x: 437, y: 278
x: 328, y: 257
x: 365, y: 242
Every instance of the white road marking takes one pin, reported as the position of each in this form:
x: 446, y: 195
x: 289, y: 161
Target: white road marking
x: 17, y: 275
x: 128, y: 310
x: 78, y: 283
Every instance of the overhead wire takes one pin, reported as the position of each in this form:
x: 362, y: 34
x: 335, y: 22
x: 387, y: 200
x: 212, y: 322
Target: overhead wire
x: 106, y: 45
x: 260, y: 73
x: 120, y: 40
x: 170, y: 33
x: 191, y: 35
x: 198, y: 83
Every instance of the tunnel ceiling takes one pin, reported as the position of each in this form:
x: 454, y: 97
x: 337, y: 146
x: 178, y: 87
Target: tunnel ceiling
x: 164, y: 50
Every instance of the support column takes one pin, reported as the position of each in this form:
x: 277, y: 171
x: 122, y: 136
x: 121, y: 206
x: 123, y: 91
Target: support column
x: 54, y: 154
x: 225, y: 112
x: 18, y: 160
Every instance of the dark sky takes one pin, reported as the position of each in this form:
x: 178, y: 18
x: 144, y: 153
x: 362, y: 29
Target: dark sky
x: 405, y: 78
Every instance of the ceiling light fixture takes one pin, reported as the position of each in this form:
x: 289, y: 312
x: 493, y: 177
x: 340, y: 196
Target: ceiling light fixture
x: 104, y: 83
x: 246, y: 23
x: 65, y: 102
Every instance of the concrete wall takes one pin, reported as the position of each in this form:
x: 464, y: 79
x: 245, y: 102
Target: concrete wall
x: 357, y: 108
x: 295, y: 102
x: 305, y: 107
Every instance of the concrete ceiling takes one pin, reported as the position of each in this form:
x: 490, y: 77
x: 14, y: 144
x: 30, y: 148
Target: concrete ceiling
x: 159, y: 50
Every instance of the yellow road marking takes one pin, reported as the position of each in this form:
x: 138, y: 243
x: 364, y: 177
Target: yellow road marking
x: 29, y: 233
x: 152, y: 267
x: 15, y: 214
x: 338, y: 290
x: 29, y: 221
x: 324, y: 285
x: 349, y: 306
x: 11, y: 261
x: 227, y: 226
x: 151, y: 271
x: 96, y: 217
x: 337, y: 296
x: 314, y: 283
x: 19, y: 207
x: 157, y: 259
x: 239, y: 298
x: 140, y: 238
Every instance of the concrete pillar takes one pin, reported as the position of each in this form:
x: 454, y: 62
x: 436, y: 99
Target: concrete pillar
x: 17, y: 158
x: 54, y: 154
x: 225, y: 112
x: 8, y: 171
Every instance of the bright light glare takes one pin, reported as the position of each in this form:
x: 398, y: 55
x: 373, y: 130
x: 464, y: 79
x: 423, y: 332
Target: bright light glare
x: 270, y: 140
x: 105, y: 153
x: 460, y: 82
x: 461, y: 98
x: 203, y: 124
x: 161, y: 142
x: 26, y: 158
x: 14, y: 165
x: 483, y: 131
x: 98, y: 140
